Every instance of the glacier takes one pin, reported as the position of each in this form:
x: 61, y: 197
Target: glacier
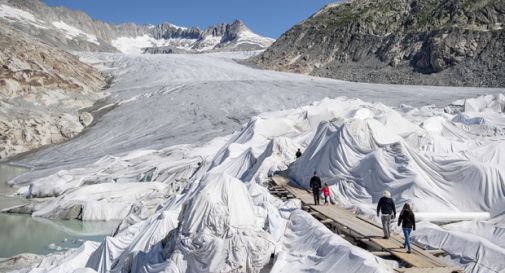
x: 188, y: 143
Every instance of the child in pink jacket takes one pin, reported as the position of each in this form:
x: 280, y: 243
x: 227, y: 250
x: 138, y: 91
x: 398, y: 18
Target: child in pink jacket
x: 326, y: 194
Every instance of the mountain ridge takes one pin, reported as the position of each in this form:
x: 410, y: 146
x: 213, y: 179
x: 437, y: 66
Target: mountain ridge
x: 427, y: 42
x: 75, y: 30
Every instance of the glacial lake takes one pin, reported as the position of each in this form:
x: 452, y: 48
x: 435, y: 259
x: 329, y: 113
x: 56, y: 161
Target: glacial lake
x: 25, y: 234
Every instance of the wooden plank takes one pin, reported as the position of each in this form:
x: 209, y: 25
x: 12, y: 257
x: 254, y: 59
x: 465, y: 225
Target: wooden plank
x: 361, y: 227
x: 418, y: 257
x: 279, y: 190
x: 413, y: 259
x: 369, y: 221
x: 387, y: 243
x: 381, y: 253
x: 348, y: 219
x: 429, y: 270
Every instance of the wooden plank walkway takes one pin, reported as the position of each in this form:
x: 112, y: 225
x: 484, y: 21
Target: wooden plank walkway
x: 368, y: 233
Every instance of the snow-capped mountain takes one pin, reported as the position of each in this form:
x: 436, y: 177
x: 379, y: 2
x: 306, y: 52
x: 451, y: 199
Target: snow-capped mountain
x: 221, y: 37
x: 75, y: 30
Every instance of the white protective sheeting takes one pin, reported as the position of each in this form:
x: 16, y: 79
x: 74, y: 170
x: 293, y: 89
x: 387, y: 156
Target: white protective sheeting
x: 217, y: 217
x: 478, y: 255
x: 309, y: 246
x: 223, y: 220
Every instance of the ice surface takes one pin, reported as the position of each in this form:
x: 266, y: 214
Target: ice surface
x: 162, y: 100
x: 204, y: 209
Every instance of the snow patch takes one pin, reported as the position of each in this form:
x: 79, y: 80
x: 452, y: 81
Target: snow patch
x: 249, y: 37
x: 73, y: 32
x: 14, y: 14
x: 136, y: 45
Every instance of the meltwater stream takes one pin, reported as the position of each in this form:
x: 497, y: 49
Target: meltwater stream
x: 26, y: 234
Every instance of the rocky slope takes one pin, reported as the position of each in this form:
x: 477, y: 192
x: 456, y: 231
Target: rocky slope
x: 74, y: 30
x: 436, y: 42
x: 42, y: 90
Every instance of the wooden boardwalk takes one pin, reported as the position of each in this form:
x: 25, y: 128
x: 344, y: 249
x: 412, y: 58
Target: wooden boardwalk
x: 366, y: 233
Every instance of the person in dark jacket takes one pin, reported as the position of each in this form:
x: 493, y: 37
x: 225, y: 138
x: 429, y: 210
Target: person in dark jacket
x: 315, y: 185
x: 298, y: 153
x: 408, y: 222
x: 386, y: 207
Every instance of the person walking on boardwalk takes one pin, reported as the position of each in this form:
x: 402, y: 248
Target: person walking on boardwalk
x: 408, y: 222
x: 315, y: 185
x: 386, y: 207
x: 298, y: 153
x: 326, y: 194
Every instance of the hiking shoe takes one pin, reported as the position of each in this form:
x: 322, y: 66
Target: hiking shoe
x: 408, y: 251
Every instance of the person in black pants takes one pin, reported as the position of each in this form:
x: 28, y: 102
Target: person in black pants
x: 315, y: 185
x: 408, y: 222
x: 298, y: 153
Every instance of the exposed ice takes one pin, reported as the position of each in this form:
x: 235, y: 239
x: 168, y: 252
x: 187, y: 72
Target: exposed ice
x: 162, y: 100
x: 204, y: 208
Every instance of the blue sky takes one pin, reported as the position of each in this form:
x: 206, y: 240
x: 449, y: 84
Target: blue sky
x: 265, y: 17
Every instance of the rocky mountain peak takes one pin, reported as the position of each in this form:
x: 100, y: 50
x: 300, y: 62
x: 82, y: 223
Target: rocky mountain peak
x: 74, y: 30
x: 236, y: 27
x: 435, y: 42
x: 238, y: 24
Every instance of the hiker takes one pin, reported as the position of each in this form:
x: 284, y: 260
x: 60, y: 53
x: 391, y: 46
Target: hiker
x: 408, y: 222
x: 315, y: 185
x: 326, y: 194
x: 386, y: 207
x: 298, y: 153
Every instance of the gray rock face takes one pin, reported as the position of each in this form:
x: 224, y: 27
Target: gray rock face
x: 169, y: 31
x: 435, y: 42
x: 229, y: 32
x: 41, y: 91
x: 56, y: 27
x: 166, y: 50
